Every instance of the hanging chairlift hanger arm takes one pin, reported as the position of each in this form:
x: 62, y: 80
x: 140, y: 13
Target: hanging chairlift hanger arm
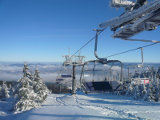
x: 96, y: 44
x: 142, y: 57
x: 104, y: 60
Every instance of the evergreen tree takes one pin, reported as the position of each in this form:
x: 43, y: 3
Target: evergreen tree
x: 158, y: 73
x: 136, y: 93
x: 148, y: 95
x: 0, y: 90
x: 124, y: 87
x: 39, y: 87
x: 129, y: 91
x: 143, y: 91
x: 26, y: 72
x: 157, y: 94
x: 4, y: 92
x: 30, y: 91
x: 24, y: 92
x: 154, y: 88
x: 26, y: 96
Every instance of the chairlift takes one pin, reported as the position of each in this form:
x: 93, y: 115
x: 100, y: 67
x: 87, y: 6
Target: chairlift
x: 59, y: 80
x: 66, y: 75
x: 96, y: 84
x: 141, y: 75
x: 97, y: 81
x: 105, y: 61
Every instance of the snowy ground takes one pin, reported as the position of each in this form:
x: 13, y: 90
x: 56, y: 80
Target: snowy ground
x: 96, y: 106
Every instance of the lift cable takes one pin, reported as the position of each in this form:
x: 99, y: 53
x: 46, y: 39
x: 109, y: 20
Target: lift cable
x: 93, y: 38
x: 142, y: 40
x: 132, y: 50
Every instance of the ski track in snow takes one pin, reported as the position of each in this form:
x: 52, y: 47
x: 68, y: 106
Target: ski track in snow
x: 96, y: 106
x: 60, y: 101
x: 99, y: 108
x: 119, y: 112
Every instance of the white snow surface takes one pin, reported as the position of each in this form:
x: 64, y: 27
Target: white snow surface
x: 93, y: 106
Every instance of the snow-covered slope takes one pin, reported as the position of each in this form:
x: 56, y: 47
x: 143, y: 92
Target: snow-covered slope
x: 96, y: 106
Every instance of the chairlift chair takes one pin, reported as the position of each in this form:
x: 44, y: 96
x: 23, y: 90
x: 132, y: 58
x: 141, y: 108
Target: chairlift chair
x: 102, y: 61
x: 140, y: 76
x: 64, y: 75
x: 96, y: 81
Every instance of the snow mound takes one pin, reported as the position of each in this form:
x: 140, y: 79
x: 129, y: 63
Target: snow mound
x: 3, y: 113
x: 67, y: 100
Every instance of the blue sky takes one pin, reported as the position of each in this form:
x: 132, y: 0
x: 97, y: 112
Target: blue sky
x: 43, y: 30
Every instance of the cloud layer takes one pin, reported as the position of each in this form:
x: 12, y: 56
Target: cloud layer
x: 50, y: 71
x: 13, y: 72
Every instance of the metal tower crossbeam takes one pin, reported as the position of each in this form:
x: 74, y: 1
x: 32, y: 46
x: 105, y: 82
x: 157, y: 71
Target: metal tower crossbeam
x: 149, y: 22
x: 130, y: 15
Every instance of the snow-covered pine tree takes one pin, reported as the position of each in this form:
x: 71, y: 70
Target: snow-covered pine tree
x: 136, y: 93
x: 40, y: 88
x: 148, y: 95
x: 154, y: 88
x: 158, y: 73
x: 26, y: 72
x: 31, y: 91
x: 26, y: 96
x: 158, y: 85
x: 4, y: 92
x: 124, y: 87
x: 130, y: 89
x: 25, y: 93
x: 0, y: 90
x: 143, y: 90
x: 157, y: 89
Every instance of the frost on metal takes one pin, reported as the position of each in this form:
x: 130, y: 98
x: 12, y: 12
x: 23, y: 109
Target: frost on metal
x: 121, y: 3
x: 137, y: 17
